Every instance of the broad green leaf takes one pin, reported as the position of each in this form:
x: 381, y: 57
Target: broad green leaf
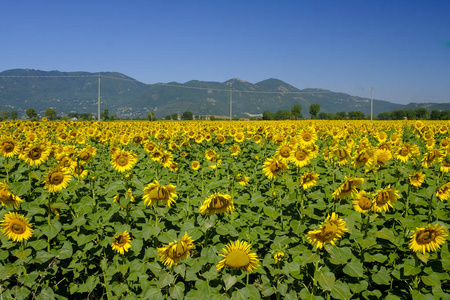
x: 354, y: 269
x: 341, y: 291
x: 386, y: 234
x: 326, y: 279
x: 229, y: 281
x: 177, y: 291
x: 382, y: 277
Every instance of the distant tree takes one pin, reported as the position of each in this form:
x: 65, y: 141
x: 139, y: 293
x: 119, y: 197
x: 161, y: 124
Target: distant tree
x: 384, y: 116
x: 283, y: 115
x: 341, y: 115
x: 187, y: 115
x: 435, y: 115
x: 104, y: 115
x: 212, y: 118
x: 330, y: 116
x: 322, y: 116
x: 4, y: 115
x: 267, y: 115
x: 151, y: 116
x: 167, y: 117
x: 422, y: 114
x: 296, y: 111
x: 356, y: 115
x: 14, y: 114
x: 50, y: 114
x: 31, y: 113
x: 398, y: 115
x: 174, y: 116
x: 314, y: 110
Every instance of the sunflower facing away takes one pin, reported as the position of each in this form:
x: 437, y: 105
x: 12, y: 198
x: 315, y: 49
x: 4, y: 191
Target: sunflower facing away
x: 121, y: 242
x: 217, y: 203
x: 444, y: 192
x: 7, y: 198
x: 428, y: 239
x: 273, y: 167
x: 123, y: 160
x: 348, y: 188
x: 172, y: 253
x: 331, y: 230
x: 237, y: 256
x: 57, y: 179
x: 155, y: 192
x: 16, y: 227
x: 385, y: 198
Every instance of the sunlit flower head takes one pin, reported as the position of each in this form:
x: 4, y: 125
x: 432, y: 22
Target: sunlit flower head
x: 123, y: 160
x: 235, y: 150
x: 362, y: 202
x: 273, y: 167
x: 381, y: 156
x: 278, y: 257
x: 57, y: 179
x: 301, y: 157
x: 16, y: 227
x: 341, y: 155
x: 172, y: 253
x: 283, y: 152
x: 195, y: 165
x: 445, y: 162
x: 121, y: 242
x: 362, y: 158
x: 384, y: 199
x: 348, y: 188
x: 427, y: 239
x: 430, y: 158
x: 405, y: 152
x: 7, y: 198
x: 9, y: 147
x: 155, y: 192
x: 242, y: 179
x: 35, y: 154
x: 308, y: 180
x: 331, y: 230
x: 443, y: 192
x: 416, y: 179
x: 217, y: 203
x: 237, y: 256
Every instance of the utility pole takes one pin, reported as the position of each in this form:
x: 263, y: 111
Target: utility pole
x: 98, y: 116
x: 231, y: 99
x: 371, y: 105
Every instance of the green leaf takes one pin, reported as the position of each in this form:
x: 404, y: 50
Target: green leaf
x: 341, y: 291
x: 326, y: 279
x: 382, y: 277
x: 177, y: 291
x: 409, y: 268
x: 42, y: 256
x: 165, y: 279
x: 386, y: 234
x: 29, y: 279
x: 271, y: 212
x: 51, y: 230
x: 354, y: 268
x: 151, y: 292
x: 66, y: 251
x: 229, y: 281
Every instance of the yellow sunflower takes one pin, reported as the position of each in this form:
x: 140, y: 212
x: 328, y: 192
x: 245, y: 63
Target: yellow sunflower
x: 155, y: 192
x: 235, y: 150
x: 195, y: 165
x: 273, y: 167
x: 121, y: 242
x: 381, y: 156
x: 237, y: 256
x: 428, y: 239
x: 308, y: 137
x: 362, y: 158
x: 362, y: 202
x: 278, y: 257
x: 57, y: 179
x: 430, y: 158
x: 331, y: 230
x: 283, y: 152
x: 416, y: 179
x: 9, y: 147
x: 300, y: 157
x: 210, y: 154
x: 445, y: 161
x: 406, y: 152
x: 348, y: 188
x: 443, y: 192
x: 308, y: 179
x: 123, y: 160
x: 385, y: 198
x: 217, y: 203
x: 243, y: 180
x: 35, y: 154
x: 16, y: 227
x: 172, y: 253
x: 79, y: 171
x: 7, y: 198
x: 341, y: 155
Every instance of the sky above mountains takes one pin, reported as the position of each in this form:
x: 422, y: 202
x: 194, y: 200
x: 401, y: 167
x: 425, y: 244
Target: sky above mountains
x: 400, y: 48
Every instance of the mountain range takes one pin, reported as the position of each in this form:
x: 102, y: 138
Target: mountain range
x: 125, y: 97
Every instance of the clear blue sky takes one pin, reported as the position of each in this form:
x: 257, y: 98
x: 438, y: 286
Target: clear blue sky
x: 400, y: 48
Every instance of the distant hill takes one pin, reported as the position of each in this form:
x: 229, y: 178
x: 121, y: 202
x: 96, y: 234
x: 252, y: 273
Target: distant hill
x: 428, y: 106
x: 126, y: 97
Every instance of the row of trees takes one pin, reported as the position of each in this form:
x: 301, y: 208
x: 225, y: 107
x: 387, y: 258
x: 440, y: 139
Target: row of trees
x: 5, y: 115
x: 294, y: 114
x: 415, y: 114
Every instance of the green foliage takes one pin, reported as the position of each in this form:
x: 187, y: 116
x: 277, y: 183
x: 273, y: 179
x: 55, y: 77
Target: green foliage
x: 314, y: 110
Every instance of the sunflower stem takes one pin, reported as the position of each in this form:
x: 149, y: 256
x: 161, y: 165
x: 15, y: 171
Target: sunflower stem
x: 407, y: 201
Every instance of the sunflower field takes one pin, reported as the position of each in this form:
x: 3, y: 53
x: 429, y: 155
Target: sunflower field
x: 225, y: 210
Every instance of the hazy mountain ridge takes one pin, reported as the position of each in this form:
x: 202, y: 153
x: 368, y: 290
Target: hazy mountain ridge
x: 124, y: 96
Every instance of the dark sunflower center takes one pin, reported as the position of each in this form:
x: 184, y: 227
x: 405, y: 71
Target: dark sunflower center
x: 17, y: 228
x: 122, y: 161
x: 285, y: 151
x: 307, y: 137
x: 56, y: 178
x: 120, y: 241
x: 404, y: 151
x: 300, y: 155
x: 426, y: 237
x: 9, y: 148
x: 382, y: 198
x: 36, y: 153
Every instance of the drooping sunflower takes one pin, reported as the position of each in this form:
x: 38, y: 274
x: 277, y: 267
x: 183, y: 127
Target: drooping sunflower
x: 362, y: 158
x: 384, y: 199
x: 362, y: 202
x: 155, y: 192
x: 273, y: 167
x: 172, y: 253
x: 427, y: 239
x: 9, y: 147
x: 57, y: 179
x: 123, y: 160
x: 217, y: 203
x: 309, y: 179
x: 121, y: 242
x: 443, y: 192
x: 237, y: 256
x: 348, y: 188
x: 430, y: 158
x: 331, y: 230
x: 7, y: 198
x: 405, y: 152
x: 341, y: 155
x: 416, y: 179
x: 16, y: 227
